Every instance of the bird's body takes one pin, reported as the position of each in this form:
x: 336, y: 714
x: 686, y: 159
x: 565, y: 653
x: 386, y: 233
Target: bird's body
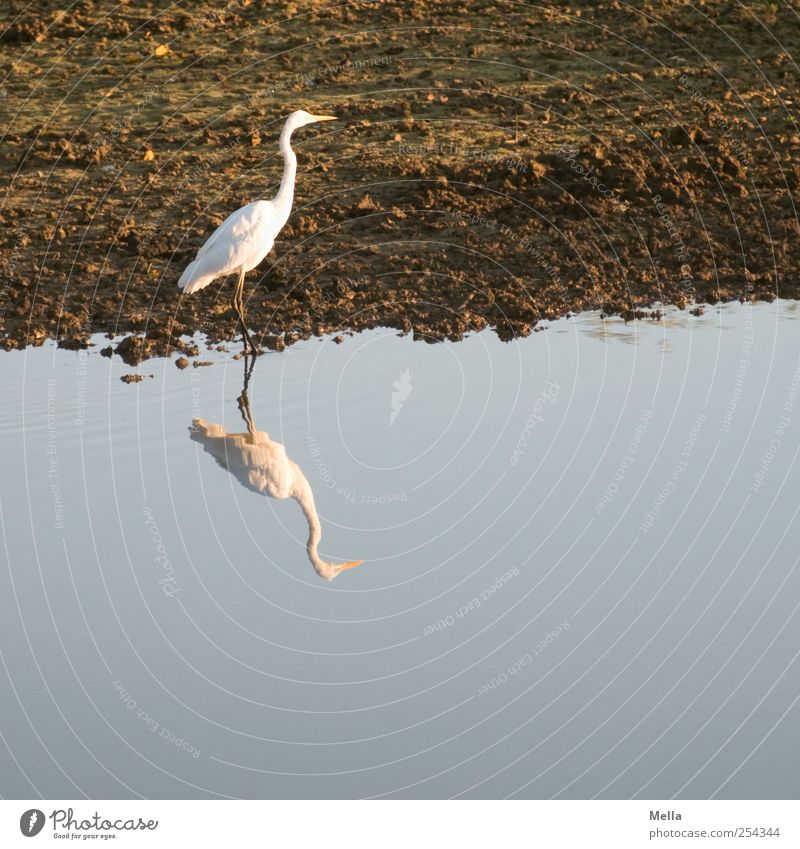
x: 246, y: 236
x: 242, y: 241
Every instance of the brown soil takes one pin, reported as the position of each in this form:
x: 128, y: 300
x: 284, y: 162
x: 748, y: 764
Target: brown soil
x: 496, y: 163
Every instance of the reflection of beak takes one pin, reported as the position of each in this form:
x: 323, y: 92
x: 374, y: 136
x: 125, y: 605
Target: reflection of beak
x: 351, y: 565
x: 323, y: 118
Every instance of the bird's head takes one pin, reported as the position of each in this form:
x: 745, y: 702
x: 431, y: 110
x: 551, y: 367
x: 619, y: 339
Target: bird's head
x: 301, y: 118
x: 330, y: 570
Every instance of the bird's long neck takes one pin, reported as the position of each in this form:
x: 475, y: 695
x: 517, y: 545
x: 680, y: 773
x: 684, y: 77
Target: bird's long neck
x: 286, y: 191
x: 302, y: 493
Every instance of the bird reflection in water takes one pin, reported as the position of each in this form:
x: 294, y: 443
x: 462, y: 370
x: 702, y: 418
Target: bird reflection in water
x: 262, y: 465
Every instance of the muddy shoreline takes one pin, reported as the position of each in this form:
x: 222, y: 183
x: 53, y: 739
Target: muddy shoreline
x: 492, y: 168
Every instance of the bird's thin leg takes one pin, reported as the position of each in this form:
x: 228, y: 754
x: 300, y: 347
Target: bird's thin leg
x: 245, y: 331
x: 235, y: 299
x: 238, y: 305
x: 237, y: 302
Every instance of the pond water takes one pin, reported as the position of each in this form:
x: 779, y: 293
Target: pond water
x: 580, y: 574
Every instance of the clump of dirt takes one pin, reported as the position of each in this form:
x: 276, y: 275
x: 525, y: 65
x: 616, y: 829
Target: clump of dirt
x: 495, y: 165
x: 134, y: 349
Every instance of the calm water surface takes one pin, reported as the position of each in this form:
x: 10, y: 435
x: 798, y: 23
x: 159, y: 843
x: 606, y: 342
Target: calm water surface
x: 580, y: 571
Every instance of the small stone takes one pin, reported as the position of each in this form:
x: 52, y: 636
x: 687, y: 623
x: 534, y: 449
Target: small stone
x: 182, y: 363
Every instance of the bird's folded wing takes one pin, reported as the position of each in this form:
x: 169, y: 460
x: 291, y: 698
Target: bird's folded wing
x: 233, y: 244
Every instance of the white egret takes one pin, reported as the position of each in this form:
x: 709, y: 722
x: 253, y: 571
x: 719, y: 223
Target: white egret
x: 262, y: 465
x: 246, y: 236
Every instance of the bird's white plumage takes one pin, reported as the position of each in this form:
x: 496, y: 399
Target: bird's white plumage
x: 246, y: 236
x: 243, y: 239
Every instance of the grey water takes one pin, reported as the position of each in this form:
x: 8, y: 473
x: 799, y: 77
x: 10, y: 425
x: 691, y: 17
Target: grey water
x: 580, y: 574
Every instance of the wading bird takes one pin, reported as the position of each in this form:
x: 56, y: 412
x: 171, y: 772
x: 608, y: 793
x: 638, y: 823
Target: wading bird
x: 262, y: 465
x: 246, y: 236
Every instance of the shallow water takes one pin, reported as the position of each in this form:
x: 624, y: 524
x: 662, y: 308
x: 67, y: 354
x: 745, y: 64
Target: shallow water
x: 580, y: 574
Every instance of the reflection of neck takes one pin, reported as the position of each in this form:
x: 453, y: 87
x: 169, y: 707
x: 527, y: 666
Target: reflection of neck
x: 302, y: 493
x: 286, y: 192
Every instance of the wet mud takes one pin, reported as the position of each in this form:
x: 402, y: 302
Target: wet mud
x: 496, y: 165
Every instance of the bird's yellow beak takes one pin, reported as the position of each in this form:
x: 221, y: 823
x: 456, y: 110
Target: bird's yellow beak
x: 324, y: 118
x: 351, y: 565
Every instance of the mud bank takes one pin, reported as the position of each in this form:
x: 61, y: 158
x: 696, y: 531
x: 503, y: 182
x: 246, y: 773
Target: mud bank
x: 494, y: 166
